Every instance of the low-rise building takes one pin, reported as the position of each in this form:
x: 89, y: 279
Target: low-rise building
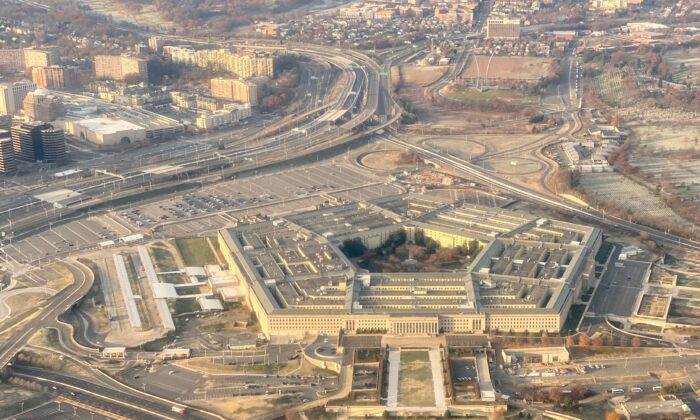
x: 535, y: 355
x: 230, y: 115
x: 104, y: 131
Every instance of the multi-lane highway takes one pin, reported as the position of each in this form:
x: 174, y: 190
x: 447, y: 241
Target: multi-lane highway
x: 106, y: 398
x: 337, y: 120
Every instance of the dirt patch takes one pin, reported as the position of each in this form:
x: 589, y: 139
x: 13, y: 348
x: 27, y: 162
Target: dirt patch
x: 422, y: 75
x: 391, y: 160
x: 513, y: 166
x: 248, y: 407
x: 509, y: 68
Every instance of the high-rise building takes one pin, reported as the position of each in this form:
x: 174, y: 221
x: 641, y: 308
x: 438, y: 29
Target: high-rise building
x: 119, y: 67
x: 17, y: 60
x: 38, y: 141
x: 41, y: 57
x: 7, y: 156
x: 248, y: 64
x: 156, y: 43
x: 54, y: 142
x: 245, y: 91
x: 11, y: 60
x: 12, y: 95
x: 253, y: 65
x: 5, y: 122
x: 41, y: 105
x: 56, y: 77
x: 498, y: 28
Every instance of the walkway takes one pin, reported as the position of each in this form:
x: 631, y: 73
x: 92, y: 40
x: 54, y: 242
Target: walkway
x: 438, y: 387
x: 392, y: 397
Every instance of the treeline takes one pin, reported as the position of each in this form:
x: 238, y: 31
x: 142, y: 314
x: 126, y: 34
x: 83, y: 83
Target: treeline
x: 215, y: 15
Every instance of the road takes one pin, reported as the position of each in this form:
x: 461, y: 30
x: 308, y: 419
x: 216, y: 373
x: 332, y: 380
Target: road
x: 308, y: 130
x: 54, y: 307
x: 493, y: 180
x: 109, y: 399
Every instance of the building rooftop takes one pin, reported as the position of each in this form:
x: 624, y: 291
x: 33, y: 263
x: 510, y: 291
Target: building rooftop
x: 294, y: 265
x: 104, y: 125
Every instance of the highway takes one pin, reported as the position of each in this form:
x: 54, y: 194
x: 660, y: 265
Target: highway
x: 54, y: 307
x: 109, y: 399
x: 312, y: 130
x: 478, y: 174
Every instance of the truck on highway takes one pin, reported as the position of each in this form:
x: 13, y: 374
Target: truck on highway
x: 178, y: 409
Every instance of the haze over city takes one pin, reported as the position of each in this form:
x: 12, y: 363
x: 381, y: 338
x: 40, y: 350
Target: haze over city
x: 345, y: 209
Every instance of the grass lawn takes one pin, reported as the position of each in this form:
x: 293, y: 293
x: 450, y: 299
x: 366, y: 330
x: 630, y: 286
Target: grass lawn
x: 163, y: 260
x: 185, y: 306
x: 195, y: 251
x: 367, y: 355
x: 415, y: 380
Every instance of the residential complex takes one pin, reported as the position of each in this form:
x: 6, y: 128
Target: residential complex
x: 502, y: 28
x: 242, y: 63
x: 18, y: 60
x: 12, y: 95
x: 41, y: 57
x: 7, y: 156
x: 56, y: 77
x: 41, y: 105
x: 608, y: 4
x: 120, y: 67
x: 245, y: 91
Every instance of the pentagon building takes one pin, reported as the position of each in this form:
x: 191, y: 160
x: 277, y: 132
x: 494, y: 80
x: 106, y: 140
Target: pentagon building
x: 526, y: 276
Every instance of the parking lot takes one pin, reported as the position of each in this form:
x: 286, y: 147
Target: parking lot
x: 60, y: 410
x: 464, y: 379
x: 206, y: 210
x: 286, y: 189
x: 619, y: 288
x: 463, y: 370
x: 364, y: 378
x: 66, y: 238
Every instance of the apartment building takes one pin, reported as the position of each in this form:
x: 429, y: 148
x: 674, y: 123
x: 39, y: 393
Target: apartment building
x: 16, y: 60
x: 41, y: 57
x: 12, y: 95
x: 41, y: 105
x: 56, y: 77
x: 119, y: 67
x: 502, y: 28
x: 245, y: 91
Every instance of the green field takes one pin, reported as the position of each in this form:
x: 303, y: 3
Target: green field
x: 195, y: 251
x: 415, y: 380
